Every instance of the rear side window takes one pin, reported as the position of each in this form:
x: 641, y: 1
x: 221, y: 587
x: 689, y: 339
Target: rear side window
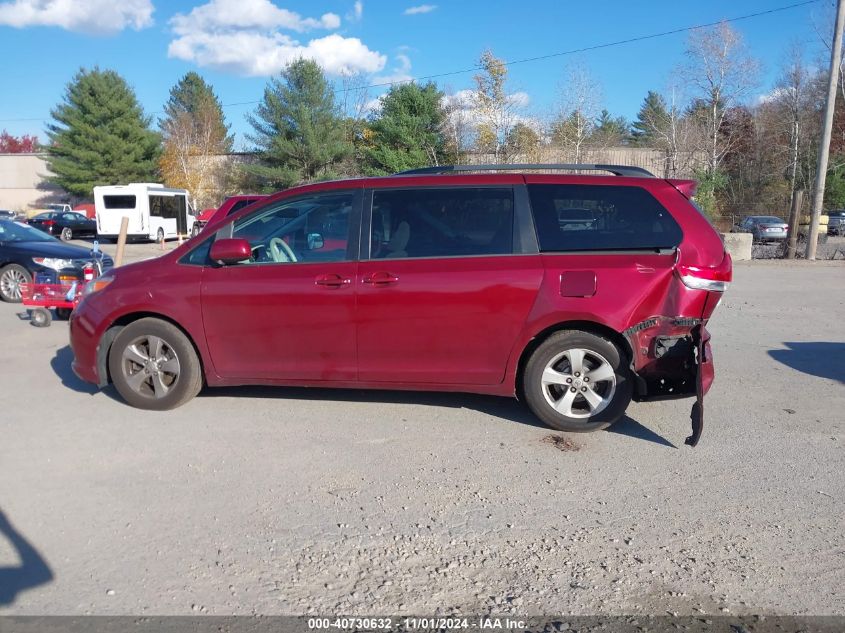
x: 450, y: 222
x: 596, y: 218
x: 240, y: 204
x: 119, y: 202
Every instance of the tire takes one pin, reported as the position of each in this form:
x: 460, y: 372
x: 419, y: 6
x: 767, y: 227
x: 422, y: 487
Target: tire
x: 160, y: 235
x: 167, y: 384
x: 40, y: 317
x: 66, y: 234
x: 549, y: 394
x: 11, y: 277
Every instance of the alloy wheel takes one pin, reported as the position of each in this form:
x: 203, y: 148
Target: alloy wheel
x: 10, y: 284
x: 150, y: 366
x: 578, y: 383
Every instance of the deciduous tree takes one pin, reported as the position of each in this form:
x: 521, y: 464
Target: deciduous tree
x: 721, y: 74
x: 196, y: 139
x: 495, y: 109
x: 578, y: 109
x: 25, y: 144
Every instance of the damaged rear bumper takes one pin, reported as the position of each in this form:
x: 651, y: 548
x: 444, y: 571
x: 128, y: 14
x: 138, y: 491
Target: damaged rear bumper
x: 673, y: 359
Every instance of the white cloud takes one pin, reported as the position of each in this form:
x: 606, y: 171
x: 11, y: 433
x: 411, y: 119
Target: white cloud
x: 245, y: 37
x: 248, y: 14
x: 464, y: 100
x: 254, y: 54
x: 401, y: 72
x: 88, y: 16
x: 358, y: 9
x: 423, y: 8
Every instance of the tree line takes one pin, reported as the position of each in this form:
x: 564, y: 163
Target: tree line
x: 748, y: 155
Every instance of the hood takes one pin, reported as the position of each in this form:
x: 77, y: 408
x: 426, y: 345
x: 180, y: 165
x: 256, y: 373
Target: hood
x: 50, y: 249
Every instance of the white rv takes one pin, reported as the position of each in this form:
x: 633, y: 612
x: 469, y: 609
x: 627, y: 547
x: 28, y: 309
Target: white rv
x: 154, y: 211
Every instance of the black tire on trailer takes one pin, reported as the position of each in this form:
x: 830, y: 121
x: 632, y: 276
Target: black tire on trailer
x: 40, y: 317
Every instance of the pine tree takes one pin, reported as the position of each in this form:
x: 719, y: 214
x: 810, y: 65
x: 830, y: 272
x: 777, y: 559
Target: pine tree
x: 523, y: 143
x: 299, y: 133
x: 609, y: 130
x: 195, y: 137
x: 652, y: 118
x: 408, y: 130
x: 100, y: 135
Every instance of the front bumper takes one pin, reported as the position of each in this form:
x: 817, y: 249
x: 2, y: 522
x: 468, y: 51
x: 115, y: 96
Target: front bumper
x: 83, y: 344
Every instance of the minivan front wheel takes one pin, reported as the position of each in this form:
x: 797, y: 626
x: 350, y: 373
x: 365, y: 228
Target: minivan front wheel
x: 577, y: 381
x: 154, y: 366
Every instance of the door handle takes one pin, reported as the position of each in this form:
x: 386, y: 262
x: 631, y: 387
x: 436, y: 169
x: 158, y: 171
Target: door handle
x: 380, y: 279
x: 332, y: 281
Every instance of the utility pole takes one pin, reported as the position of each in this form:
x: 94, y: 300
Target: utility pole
x: 794, y: 217
x: 824, y: 147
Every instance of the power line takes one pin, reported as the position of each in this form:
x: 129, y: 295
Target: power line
x: 574, y: 51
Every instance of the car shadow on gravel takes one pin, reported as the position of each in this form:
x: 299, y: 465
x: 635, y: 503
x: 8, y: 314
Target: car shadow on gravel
x: 499, y: 407
x: 31, y: 571
x: 822, y: 359
x: 630, y: 427
x: 61, y: 365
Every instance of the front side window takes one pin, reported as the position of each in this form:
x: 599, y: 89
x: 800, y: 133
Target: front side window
x: 309, y: 229
x: 451, y: 222
x: 166, y: 207
x: 594, y: 218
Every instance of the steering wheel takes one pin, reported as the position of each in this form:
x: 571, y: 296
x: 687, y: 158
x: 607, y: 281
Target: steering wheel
x: 280, y: 251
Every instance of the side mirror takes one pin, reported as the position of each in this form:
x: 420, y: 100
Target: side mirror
x: 315, y: 241
x: 230, y: 251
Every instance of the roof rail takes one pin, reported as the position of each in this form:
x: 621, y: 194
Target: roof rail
x: 616, y: 170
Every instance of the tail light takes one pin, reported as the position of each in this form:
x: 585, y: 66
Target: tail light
x: 48, y: 222
x: 715, y: 279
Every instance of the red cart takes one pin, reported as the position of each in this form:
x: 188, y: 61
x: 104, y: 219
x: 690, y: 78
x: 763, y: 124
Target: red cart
x: 44, y: 297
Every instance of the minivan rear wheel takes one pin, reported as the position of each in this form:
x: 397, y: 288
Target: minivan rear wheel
x: 577, y: 381
x: 154, y: 366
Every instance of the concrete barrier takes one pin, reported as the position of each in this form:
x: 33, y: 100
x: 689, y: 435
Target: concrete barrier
x: 738, y: 245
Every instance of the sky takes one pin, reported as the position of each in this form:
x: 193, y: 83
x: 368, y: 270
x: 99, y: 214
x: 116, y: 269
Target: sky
x: 238, y: 44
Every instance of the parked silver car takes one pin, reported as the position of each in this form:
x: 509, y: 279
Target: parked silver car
x: 763, y: 228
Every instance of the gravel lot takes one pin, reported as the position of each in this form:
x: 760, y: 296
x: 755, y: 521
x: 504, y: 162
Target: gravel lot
x: 290, y: 501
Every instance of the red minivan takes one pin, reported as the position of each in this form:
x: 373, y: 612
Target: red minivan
x: 576, y: 293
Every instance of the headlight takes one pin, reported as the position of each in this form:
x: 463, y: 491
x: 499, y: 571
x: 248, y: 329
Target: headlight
x: 53, y: 262
x: 97, y: 284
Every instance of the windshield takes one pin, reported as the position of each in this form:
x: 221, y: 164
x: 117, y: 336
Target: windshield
x: 768, y: 218
x: 17, y: 232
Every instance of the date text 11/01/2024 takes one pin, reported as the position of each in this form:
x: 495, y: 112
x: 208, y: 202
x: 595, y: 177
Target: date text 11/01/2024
x: 410, y: 623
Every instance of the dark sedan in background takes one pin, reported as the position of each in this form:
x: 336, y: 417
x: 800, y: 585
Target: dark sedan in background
x: 763, y: 228
x: 67, y: 225
x: 26, y: 252
x: 836, y: 223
